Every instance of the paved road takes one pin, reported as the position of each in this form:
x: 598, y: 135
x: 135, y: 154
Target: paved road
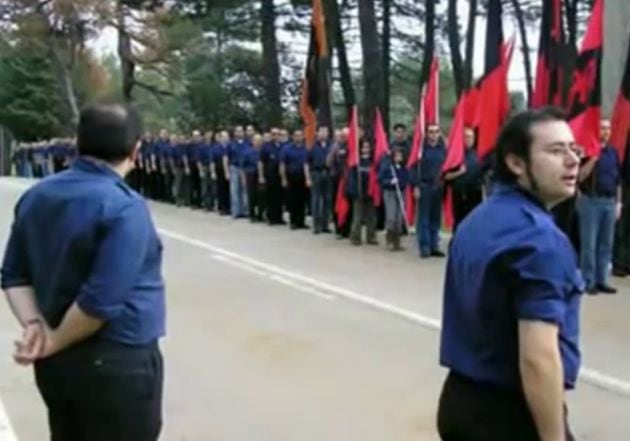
x: 281, y: 335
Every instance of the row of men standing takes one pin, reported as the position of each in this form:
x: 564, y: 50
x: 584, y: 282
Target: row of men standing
x: 256, y: 176
x: 40, y: 159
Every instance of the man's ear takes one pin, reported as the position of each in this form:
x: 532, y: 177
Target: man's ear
x: 516, y: 165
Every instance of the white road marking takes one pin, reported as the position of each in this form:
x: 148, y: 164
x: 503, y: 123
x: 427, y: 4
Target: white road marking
x: 229, y: 261
x: 587, y: 375
x: 304, y: 289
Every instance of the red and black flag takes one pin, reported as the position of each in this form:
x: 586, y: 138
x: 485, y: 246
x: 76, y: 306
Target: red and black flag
x: 432, y: 98
x: 585, y: 96
x: 620, y: 121
x: 552, y: 57
x: 318, y: 49
x: 342, y: 205
x: 493, y: 96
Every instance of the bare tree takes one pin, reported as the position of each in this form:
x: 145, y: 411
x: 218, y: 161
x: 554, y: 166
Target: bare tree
x: 454, y: 42
x: 470, y: 43
x: 518, y: 12
x: 372, y: 68
x: 271, y: 68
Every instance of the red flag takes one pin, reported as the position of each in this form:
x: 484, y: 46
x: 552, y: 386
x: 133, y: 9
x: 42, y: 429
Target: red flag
x: 414, y: 157
x: 381, y: 149
x: 342, y: 206
x: 454, y: 155
x: 309, y: 101
x: 456, y: 146
x: 431, y: 100
x: 493, y: 96
x: 620, y: 121
x: 551, y: 57
x: 471, y: 114
x: 585, y: 95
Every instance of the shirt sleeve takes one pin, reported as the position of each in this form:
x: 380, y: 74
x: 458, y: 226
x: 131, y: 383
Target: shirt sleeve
x: 540, y: 281
x: 118, y: 262
x: 15, y: 266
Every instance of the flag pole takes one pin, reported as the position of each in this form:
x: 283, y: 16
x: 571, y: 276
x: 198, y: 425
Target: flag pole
x: 401, y: 201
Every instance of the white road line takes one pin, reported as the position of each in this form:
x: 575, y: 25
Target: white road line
x: 587, y: 375
x: 6, y: 430
x: 304, y: 289
x: 251, y: 269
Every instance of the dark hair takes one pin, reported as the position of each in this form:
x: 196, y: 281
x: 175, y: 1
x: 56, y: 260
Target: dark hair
x: 108, y: 132
x: 516, y: 138
x: 400, y: 126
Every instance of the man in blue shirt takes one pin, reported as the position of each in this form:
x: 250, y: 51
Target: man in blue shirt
x: 207, y: 189
x: 598, y: 206
x: 510, y: 327
x: 270, y: 161
x: 82, y: 273
x: 427, y: 180
x: 319, y: 181
x: 217, y: 172
x: 253, y: 177
x: 292, y: 169
x: 231, y: 164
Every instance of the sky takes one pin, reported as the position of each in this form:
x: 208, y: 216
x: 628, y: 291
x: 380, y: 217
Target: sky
x: 107, y: 42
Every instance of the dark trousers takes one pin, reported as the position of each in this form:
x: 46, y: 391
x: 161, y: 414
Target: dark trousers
x: 103, y: 391
x: 195, y: 187
x: 254, y: 196
x: 297, y: 199
x: 223, y: 193
x: 469, y: 411
x: 274, y: 199
x: 621, y: 247
x: 464, y: 201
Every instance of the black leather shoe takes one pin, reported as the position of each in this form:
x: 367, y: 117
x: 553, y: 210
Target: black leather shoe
x: 606, y: 289
x: 437, y: 253
x: 618, y: 272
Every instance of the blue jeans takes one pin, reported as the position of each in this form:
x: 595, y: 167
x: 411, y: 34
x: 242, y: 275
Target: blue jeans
x: 597, y: 229
x: 321, y: 200
x: 429, y: 219
x: 238, y: 193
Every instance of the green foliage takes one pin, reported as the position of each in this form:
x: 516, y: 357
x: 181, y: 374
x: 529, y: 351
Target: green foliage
x: 30, y: 105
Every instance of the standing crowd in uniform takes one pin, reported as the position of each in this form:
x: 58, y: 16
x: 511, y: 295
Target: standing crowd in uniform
x: 245, y: 173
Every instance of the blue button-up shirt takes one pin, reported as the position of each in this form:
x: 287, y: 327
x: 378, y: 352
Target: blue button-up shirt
x: 508, y: 262
x: 317, y: 156
x: 270, y: 157
x: 430, y: 166
x: 294, y: 158
x: 607, y: 172
x: 249, y: 159
x: 84, y: 236
x: 235, y: 150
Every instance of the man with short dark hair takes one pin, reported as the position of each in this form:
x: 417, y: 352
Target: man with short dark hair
x: 510, y: 327
x: 426, y: 178
x: 319, y: 181
x: 401, y: 141
x: 599, y: 206
x: 82, y: 274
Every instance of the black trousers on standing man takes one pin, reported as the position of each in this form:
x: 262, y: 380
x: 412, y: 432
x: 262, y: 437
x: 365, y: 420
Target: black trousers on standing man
x: 103, y: 391
x: 470, y: 411
x: 297, y: 199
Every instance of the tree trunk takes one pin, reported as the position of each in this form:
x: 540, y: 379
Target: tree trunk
x: 387, y: 10
x: 470, y: 44
x: 526, y: 55
x: 271, y: 67
x: 570, y: 10
x: 63, y: 72
x: 332, y: 12
x: 453, y: 40
x: 67, y: 86
x: 372, y: 69
x: 127, y: 64
x: 429, y: 46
